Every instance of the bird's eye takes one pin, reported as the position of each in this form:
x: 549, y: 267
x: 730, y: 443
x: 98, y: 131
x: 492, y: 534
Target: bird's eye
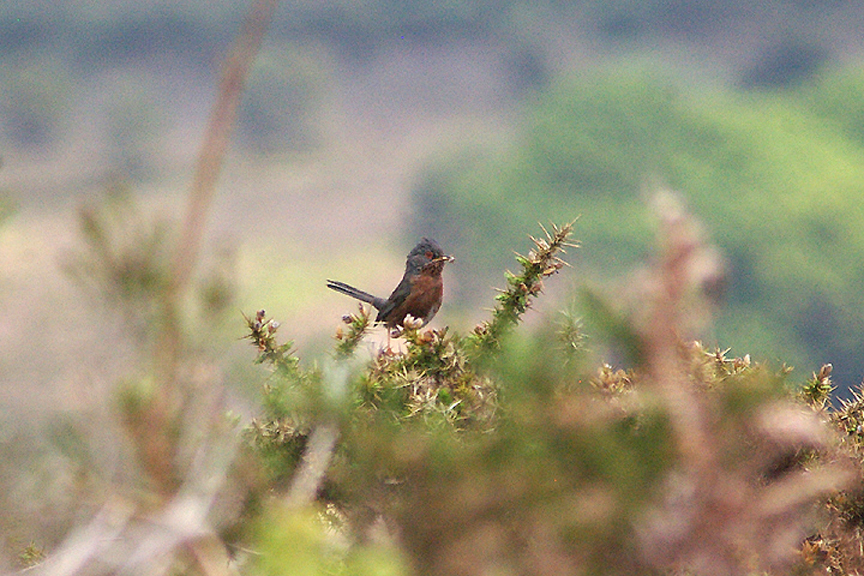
x: 429, y: 255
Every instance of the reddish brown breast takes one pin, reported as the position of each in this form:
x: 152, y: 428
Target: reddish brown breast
x: 422, y: 302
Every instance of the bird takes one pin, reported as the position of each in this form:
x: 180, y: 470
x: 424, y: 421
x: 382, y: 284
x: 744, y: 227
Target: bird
x: 419, y: 294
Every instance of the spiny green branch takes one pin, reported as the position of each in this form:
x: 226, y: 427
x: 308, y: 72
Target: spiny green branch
x: 262, y: 333
x: 542, y: 261
x: 817, y: 390
x: 349, y: 338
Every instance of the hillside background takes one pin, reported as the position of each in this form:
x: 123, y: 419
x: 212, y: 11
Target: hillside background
x: 369, y: 124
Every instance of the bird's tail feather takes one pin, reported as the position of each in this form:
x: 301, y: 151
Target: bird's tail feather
x: 349, y: 290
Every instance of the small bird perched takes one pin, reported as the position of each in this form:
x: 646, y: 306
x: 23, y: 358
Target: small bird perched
x: 419, y: 293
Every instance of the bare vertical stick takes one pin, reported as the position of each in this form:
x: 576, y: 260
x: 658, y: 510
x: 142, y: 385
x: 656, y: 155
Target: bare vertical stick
x: 203, y: 187
x: 216, y: 139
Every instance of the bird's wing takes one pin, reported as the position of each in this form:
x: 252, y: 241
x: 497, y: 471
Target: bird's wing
x: 397, y: 297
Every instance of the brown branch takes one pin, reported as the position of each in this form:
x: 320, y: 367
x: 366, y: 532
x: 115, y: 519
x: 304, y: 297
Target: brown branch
x: 202, y: 190
x: 216, y: 139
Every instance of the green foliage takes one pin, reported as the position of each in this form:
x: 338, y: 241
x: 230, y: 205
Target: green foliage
x: 521, y: 288
x: 436, y: 375
x: 357, y: 325
x: 125, y: 258
x: 493, y: 452
x: 498, y: 450
x: 434, y: 382
x: 837, y: 545
x: 31, y: 555
x: 300, y: 541
x: 125, y: 261
x: 817, y: 391
x: 290, y: 400
x: 777, y: 177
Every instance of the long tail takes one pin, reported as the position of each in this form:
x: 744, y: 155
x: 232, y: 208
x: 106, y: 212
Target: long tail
x: 355, y: 293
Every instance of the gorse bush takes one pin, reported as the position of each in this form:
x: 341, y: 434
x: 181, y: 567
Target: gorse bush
x: 497, y: 450
x: 437, y: 377
x: 494, y: 452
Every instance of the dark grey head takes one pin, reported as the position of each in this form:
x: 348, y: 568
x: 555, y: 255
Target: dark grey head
x: 426, y: 252
x: 427, y: 248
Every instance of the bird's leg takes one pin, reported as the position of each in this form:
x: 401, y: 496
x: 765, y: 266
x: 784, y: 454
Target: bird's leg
x: 392, y: 333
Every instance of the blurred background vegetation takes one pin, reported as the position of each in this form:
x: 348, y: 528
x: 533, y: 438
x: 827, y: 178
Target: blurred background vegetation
x: 471, y: 120
x: 368, y: 124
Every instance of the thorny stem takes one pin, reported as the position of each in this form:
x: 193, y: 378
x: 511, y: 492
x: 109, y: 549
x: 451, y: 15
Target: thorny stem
x: 262, y: 333
x: 349, y: 338
x: 679, y: 237
x: 540, y: 262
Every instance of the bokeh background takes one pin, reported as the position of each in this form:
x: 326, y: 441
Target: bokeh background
x: 368, y: 124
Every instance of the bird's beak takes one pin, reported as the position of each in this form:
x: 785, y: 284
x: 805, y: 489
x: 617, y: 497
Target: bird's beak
x: 441, y: 259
